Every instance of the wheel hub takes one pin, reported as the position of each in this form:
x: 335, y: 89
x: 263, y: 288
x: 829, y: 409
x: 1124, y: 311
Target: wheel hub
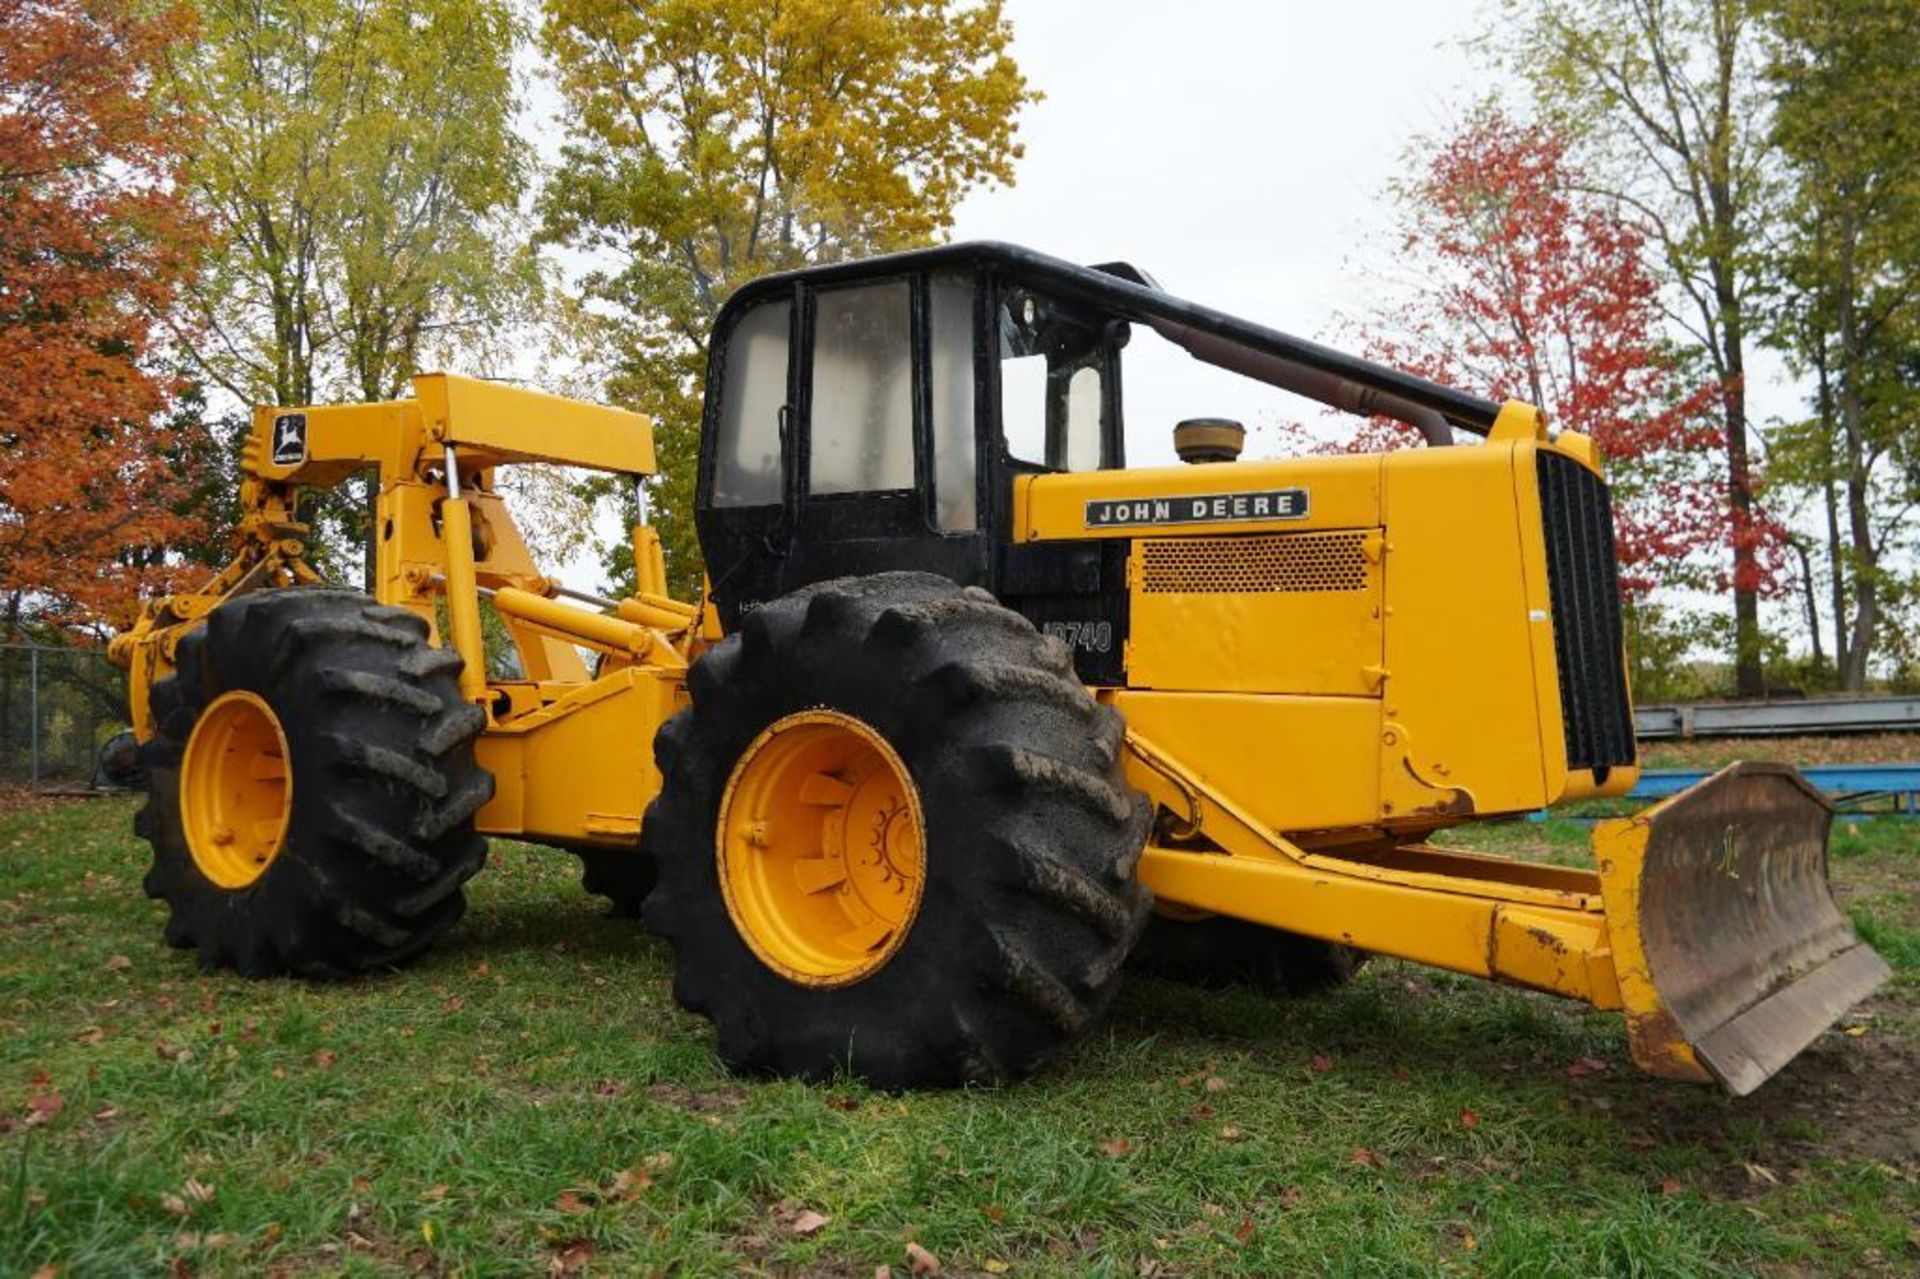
x: 822, y: 848
x: 236, y: 793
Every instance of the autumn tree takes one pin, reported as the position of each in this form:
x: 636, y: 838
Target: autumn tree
x: 711, y: 141
x: 94, y: 245
x: 1846, y: 74
x: 363, y: 175
x: 1668, y: 101
x: 1533, y: 288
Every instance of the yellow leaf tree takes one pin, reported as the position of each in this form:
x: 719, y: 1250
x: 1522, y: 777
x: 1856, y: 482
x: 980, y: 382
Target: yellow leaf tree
x: 712, y: 141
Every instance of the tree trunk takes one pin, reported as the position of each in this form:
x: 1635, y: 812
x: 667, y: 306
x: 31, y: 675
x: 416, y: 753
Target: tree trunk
x: 1808, y: 594
x: 1748, y: 678
x: 1836, y: 555
x: 1862, y: 557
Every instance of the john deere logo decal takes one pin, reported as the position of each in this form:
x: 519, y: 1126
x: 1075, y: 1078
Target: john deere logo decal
x: 1206, y: 508
x: 289, y: 439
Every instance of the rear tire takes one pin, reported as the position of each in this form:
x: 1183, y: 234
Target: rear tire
x: 383, y: 786
x: 1219, y: 951
x: 1029, y: 903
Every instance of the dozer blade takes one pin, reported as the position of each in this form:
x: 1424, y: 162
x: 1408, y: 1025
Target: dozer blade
x: 1731, y: 952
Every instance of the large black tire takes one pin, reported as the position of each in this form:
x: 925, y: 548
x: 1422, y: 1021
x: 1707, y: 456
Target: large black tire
x: 384, y: 786
x: 624, y: 878
x: 1031, y: 903
x: 1218, y: 951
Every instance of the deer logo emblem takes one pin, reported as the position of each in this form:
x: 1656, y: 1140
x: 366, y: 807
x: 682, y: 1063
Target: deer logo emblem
x: 289, y: 439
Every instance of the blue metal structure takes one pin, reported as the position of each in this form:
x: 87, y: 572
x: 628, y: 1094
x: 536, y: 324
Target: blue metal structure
x: 1848, y: 785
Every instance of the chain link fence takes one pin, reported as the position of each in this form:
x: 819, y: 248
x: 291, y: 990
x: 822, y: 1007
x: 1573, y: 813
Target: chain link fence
x: 58, y: 708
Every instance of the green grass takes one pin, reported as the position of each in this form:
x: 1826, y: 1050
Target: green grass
x: 475, y: 1114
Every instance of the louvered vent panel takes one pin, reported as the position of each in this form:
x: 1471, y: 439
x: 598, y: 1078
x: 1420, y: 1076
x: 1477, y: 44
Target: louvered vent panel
x: 1296, y: 562
x: 1583, y: 578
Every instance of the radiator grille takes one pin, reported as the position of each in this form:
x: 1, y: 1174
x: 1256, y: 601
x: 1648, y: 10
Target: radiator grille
x: 1254, y: 563
x: 1588, y: 642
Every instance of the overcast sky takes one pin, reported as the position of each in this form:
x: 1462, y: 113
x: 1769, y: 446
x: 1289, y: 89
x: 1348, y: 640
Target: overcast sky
x: 1239, y: 153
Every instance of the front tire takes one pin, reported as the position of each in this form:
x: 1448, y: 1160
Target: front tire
x: 909, y: 694
x: 332, y: 716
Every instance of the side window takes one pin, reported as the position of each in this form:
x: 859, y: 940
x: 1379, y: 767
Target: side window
x: 1051, y: 400
x: 746, y: 464
x: 1079, y: 447
x: 862, y: 415
x: 955, y: 489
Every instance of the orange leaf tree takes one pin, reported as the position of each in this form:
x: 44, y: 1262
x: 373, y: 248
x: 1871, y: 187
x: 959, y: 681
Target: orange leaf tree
x: 1532, y: 287
x: 94, y: 241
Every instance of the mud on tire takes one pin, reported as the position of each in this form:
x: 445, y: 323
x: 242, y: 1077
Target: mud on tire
x: 1030, y: 903
x: 384, y: 786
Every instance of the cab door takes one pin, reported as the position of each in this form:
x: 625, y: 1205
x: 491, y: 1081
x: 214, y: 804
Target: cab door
x: 858, y: 454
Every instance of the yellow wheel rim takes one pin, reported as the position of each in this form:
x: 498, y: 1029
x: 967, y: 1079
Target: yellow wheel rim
x: 822, y: 849
x: 235, y: 789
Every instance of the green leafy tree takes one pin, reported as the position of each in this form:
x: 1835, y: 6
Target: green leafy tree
x: 360, y: 162
x: 711, y: 141
x: 1847, y: 121
x: 1670, y: 100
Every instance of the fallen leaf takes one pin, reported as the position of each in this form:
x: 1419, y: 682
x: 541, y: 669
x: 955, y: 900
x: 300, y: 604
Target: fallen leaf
x: 174, y: 1204
x: 1215, y: 1084
x: 843, y: 1103
x: 570, y: 1257
x: 198, y: 1191
x: 436, y: 1192
x: 808, y: 1222
x: 609, y: 1088
x: 1290, y: 1196
x: 994, y: 1266
x: 1231, y: 1133
x: 42, y: 1108
x: 1469, y: 1120
x: 119, y: 964
x: 995, y: 1213
x: 1585, y: 1066
x: 1856, y: 1031
x: 453, y: 1004
x: 1367, y: 1158
x: 326, y: 1058
x: 480, y: 969
x: 106, y: 1113
x: 1321, y: 1064
x: 49, y: 1271
x: 90, y: 1036
x: 1117, y: 1147
x: 658, y: 1162
x: 1245, y: 1230
x: 627, y: 1184
x: 571, y: 1203
x: 1203, y: 1111
x: 920, y: 1261
x: 171, y: 1052
x: 1669, y: 1185
x: 1641, y: 1141
x: 1761, y: 1173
